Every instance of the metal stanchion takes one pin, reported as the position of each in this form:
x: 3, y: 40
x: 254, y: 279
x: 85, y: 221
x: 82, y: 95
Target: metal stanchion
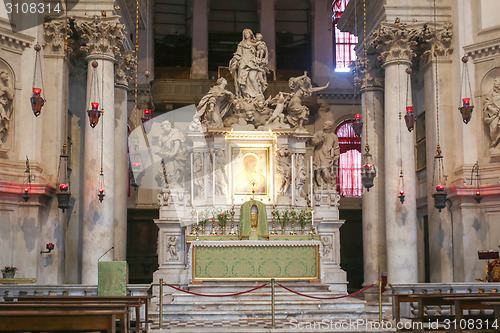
x: 273, y: 321
x: 161, y: 304
x: 380, y: 299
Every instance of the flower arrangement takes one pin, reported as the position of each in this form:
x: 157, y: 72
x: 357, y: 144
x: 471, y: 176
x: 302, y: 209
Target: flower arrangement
x: 283, y: 218
x: 9, y: 270
x: 303, y: 217
x: 223, y: 216
x: 204, y: 216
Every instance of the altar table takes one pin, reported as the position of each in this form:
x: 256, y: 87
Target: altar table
x: 247, y: 260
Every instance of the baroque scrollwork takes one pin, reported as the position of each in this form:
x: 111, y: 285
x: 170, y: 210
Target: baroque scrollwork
x: 55, y: 33
x: 101, y: 35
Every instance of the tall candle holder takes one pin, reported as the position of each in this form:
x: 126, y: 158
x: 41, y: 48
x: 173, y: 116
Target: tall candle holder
x: 273, y: 212
x: 293, y: 232
x: 194, y: 231
x: 232, y: 232
x: 213, y: 231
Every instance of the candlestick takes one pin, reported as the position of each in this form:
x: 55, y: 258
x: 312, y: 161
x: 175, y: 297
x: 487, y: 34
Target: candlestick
x: 293, y: 178
x: 312, y: 171
x: 192, y: 178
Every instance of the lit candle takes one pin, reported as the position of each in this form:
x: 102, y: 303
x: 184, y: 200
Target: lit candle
x: 312, y: 217
x: 197, y: 218
x: 213, y: 181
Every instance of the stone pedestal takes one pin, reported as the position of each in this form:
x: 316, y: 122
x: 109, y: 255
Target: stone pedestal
x: 328, y: 228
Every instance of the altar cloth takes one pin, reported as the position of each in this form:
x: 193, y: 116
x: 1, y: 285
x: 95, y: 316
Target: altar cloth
x: 255, y: 260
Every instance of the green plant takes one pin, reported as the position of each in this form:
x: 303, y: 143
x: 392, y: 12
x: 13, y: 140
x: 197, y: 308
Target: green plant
x: 9, y: 269
x: 303, y: 217
x: 223, y: 217
x: 203, y: 217
x: 283, y: 217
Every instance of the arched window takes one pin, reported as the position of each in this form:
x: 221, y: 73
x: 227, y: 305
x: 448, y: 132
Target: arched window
x: 349, y: 173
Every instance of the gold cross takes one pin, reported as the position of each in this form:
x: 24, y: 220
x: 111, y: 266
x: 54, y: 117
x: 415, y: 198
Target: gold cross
x: 253, y: 182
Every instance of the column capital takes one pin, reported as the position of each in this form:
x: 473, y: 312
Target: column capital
x: 435, y: 40
x: 124, y: 68
x: 103, y: 36
x: 372, y: 72
x: 395, y: 42
x: 54, y: 34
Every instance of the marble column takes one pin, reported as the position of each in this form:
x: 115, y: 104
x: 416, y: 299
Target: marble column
x: 53, y: 117
x: 373, y: 201
x: 102, y: 37
x: 322, y: 55
x: 199, y: 65
x: 122, y: 70
x: 395, y: 44
x: 268, y: 31
x: 440, y: 225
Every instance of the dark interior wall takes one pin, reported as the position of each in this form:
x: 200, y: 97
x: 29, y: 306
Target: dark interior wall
x: 351, y: 248
x: 142, y: 240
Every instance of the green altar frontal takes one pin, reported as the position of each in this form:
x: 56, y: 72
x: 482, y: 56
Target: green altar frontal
x: 255, y: 260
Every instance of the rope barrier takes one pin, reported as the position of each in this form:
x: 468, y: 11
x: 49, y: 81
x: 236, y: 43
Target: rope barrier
x: 226, y: 295
x: 336, y: 297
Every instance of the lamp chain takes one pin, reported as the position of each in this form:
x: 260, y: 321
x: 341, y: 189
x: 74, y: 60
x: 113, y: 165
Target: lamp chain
x: 438, y: 147
x: 136, y: 60
x: 367, y: 146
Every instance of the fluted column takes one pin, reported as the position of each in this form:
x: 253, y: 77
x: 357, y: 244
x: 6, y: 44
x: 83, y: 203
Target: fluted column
x: 122, y: 77
x: 103, y: 38
x: 440, y: 228
x: 394, y: 41
x: 373, y: 201
x: 199, y: 65
x: 268, y: 30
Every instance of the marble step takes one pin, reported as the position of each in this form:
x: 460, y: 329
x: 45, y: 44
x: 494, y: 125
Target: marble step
x: 206, y: 288
x: 287, y: 313
x: 261, y: 306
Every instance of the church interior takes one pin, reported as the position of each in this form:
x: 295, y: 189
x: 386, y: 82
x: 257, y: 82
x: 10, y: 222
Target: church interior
x: 165, y: 150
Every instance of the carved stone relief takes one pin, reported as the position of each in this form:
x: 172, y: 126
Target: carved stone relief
x: 327, y: 242
x: 283, y: 171
x: 491, y: 113
x: 172, y: 248
x: 6, y: 102
x: 220, y: 172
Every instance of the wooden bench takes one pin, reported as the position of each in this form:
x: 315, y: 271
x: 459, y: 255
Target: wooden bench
x: 457, y: 302
x: 129, y: 301
x: 15, y: 316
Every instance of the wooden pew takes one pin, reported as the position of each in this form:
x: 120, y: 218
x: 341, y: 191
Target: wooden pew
x: 15, y: 316
x: 457, y: 302
x: 129, y: 301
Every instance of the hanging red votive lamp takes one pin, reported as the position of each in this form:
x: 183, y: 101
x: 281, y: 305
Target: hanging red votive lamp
x: 439, y: 194
x: 401, y: 187
x: 37, y: 101
x: 368, y: 171
x: 100, y: 191
x: 63, y: 190
x: 357, y: 125
x: 410, y: 118
x: 94, y: 114
x: 466, y: 108
x: 145, y: 119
